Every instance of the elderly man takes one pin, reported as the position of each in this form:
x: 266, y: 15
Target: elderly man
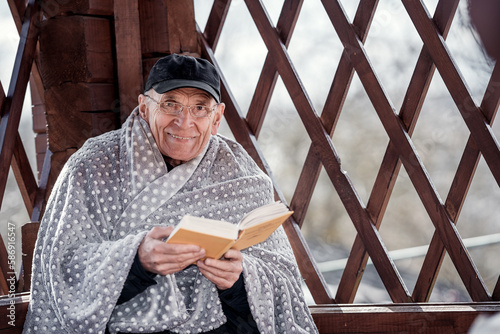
x: 101, y: 263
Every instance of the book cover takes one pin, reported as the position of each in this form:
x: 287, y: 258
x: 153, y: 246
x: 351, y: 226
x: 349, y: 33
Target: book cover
x: 217, y: 237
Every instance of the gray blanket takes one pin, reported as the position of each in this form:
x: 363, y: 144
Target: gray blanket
x: 114, y: 190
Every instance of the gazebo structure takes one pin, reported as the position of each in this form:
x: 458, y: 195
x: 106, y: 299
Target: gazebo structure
x: 86, y: 62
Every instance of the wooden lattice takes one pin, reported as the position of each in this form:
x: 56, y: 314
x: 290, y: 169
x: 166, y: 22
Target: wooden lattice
x: 399, y: 128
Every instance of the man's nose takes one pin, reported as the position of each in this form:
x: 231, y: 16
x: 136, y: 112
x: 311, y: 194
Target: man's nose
x: 184, y: 119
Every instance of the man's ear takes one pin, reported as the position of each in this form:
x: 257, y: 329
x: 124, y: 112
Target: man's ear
x: 219, y: 112
x: 143, y: 107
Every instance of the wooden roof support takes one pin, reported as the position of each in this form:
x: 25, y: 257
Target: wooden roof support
x: 128, y: 55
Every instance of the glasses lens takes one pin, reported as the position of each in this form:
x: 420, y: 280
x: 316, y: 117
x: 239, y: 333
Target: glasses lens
x: 200, y: 111
x: 171, y: 107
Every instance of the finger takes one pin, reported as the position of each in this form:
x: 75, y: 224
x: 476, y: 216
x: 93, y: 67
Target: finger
x: 178, y: 249
x: 223, y: 280
x: 160, y: 232
x: 165, y: 264
x: 233, y: 255
x: 222, y: 283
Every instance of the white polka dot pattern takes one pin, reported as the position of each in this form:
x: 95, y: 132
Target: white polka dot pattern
x: 109, y: 194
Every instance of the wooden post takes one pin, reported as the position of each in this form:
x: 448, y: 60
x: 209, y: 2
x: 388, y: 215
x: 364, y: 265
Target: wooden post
x: 128, y: 55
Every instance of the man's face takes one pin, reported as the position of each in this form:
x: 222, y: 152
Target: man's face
x: 181, y: 137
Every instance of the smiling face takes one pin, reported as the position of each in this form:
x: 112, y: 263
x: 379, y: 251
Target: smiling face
x: 180, y: 137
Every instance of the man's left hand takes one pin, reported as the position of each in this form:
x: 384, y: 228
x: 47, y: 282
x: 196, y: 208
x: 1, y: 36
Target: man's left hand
x: 224, y: 272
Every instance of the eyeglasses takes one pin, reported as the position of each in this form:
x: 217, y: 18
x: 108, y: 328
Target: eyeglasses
x: 173, y: 108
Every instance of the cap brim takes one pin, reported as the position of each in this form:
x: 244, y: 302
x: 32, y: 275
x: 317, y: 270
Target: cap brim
x: 168, y: 85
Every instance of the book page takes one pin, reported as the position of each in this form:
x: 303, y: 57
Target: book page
x: 260, y: 232
x: 208, y: 226
x: 263, y: 213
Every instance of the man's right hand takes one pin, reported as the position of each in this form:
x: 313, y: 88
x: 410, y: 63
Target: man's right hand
x: 158, y: 257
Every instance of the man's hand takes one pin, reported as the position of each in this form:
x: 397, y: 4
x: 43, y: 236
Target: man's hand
x: 225, y: 272
x: 158, y: 257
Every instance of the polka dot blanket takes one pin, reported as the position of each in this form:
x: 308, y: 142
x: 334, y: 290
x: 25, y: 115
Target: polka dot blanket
x: 109, y: 194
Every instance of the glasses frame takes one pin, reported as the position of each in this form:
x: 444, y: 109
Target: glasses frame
x: 162, y: 108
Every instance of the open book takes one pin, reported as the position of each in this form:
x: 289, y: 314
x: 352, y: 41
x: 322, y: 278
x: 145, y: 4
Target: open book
x: 216, y: 236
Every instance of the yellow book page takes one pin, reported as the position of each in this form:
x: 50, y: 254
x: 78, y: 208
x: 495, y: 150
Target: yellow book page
x: 260, y: 232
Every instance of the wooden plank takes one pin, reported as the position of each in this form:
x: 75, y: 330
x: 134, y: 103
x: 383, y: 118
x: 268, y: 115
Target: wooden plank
x: 411, y: 161
x: 458, y: 192
x: 41, y: 144
x: 87, y: 7
x: 182, y: 35
x: 103, y: 122
x: 153, y: 28
x: 331, y: 112
x: 167, y: 27
x: 472, y: 115
x: 241, y: 131
x: 69, y: 112
x: 38, y: 112
x: 23, y: 173
x: 128, y: 55
x: 400, y: 318
x: 44, y: 188
x: 215, y: 22
x: 385, y: 266
x: 269, y: 74
x: 12, y: 106
x: 76, y: 49
x: 17, y: 8
x: 29, y: 234
x: 389, y: 168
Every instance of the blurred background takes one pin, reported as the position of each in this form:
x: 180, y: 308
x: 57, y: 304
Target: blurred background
x: 393, y: 46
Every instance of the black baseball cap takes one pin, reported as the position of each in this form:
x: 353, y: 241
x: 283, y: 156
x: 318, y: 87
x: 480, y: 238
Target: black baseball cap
x: 178, y: 71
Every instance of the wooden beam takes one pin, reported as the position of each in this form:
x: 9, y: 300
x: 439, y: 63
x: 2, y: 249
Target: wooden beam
x: 182, y: 35
x: 457, y: 194
x: 471, y: 114
x: 24, y: 174
x: 244, y: 136
x: 215, y: 22
x: 324, y: 147
x: 398, y: 135
x: 390, y: 166
x: 269, y: 74
x: 76, y: 49
x: 13, y: 104
x: 400, y: 318
x: 29, y: 234
x: 128, y: 55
